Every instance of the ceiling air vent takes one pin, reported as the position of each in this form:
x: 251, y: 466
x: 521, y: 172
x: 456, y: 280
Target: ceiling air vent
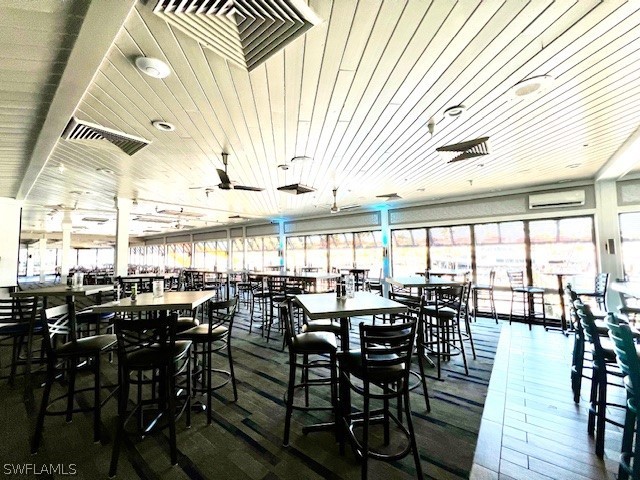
x: 178, y: 213
x: 296, y: 189
x: 464, y: 150
x: 247, y: 33
x: 81, y: 131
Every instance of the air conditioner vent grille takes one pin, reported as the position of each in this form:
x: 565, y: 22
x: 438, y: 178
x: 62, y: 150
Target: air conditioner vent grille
x: 247, y: 33
x: 464, y: 150
x: 82, y: 131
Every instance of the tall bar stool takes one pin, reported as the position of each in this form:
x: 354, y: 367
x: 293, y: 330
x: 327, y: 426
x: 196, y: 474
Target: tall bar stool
x: 627, y: 358
x: 442, y: 336
x: 209, y: 338
x: 147, y: 348
x: 382, y: 368
x: 604, y: 358
x: 14, y: 328
x: 318, y: 346
x: 484, y: 294
x: 64, y: 357
x: 259, y: 295
x: 531, y: 298
x: 599, y: 292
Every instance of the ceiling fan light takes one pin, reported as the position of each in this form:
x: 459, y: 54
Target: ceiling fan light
x: 532, y: 85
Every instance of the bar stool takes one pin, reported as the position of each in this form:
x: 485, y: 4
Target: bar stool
x: 64, y: 358
x: 627, y: 358
x: 599, y: 292
x: 529, y: 296
x: 604, y: 357
x: 316, y: 344
x: 382, y: 367
x: 484, y: 293
x: 211, y: 337
x: 14, y: 328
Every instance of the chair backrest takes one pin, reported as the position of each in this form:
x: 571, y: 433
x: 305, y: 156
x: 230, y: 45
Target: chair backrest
x: 625, y: 349
x: 492, y: 277
x: 591, y: 332
x: 222, y: 313
x: 55, y: 325
x: 516, y: 278
x: 602, y: 280
x: 383, y: 347
x: 277, y: 285
x: 286, y: 318
x: 452, y: 297
x: 572, y: 297
x: 14, y: 310
x: 155, y: 331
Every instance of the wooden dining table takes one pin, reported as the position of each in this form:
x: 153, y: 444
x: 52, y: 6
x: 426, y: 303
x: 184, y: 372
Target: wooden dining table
x: 146, y: 302
x: 70, y: 294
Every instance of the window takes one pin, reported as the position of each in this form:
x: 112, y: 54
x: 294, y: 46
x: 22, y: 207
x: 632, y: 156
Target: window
x: 341, y: 254
x: 630, y: 237
x: 499, y: 246
x: 317, y: 252
x: 409, y: 251
x: 368, y: 251
x: 237, y: 254
x: 295, y: 253
x: 450, y: 247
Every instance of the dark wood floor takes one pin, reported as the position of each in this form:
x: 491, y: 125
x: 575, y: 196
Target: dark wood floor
x: 245, y: 440
x: 529, y: 426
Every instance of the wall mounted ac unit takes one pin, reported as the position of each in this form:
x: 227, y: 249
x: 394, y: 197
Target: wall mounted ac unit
x: 568, y: 198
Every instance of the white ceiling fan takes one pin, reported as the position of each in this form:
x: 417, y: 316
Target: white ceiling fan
x: 335, y: 208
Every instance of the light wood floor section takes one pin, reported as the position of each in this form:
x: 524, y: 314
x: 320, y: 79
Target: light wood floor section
x: 531, y: 428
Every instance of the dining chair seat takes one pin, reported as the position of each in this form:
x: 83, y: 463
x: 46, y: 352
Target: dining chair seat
x: 352, y: 360
x: 201, y: 332
x: 87, y: 345
x: 322, y: 326
x: 151, y: 356
x: 314, y: 342
x: 443, y: 312
x: 185, y: 323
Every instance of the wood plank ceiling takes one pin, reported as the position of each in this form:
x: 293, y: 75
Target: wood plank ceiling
x: 355, y: 93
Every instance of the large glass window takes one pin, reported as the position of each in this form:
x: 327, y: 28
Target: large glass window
x: 271, y: 248
x: 564, y: 247
x: 178, y: 255
x: 211, y: 255
x: 154, y: 256
x: 630, y: 237
x: 295, y: 253
x: 409, y: 251
x: 341, y: 254
x: 316, y: 252
x: 237, y: 254
x: 368, y: 250
x: 450, y: 247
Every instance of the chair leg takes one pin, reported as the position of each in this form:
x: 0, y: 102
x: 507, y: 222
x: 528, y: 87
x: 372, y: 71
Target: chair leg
x: 412, y: 435
x: 123, y: 399
x: 601, y: 415
x: 232, y: 373
x: 188, y: 391
x: 467, y: 325
x: 627, y: 441
x: 421, y: 353
x: 37, y: 437
x: 464, y: 355
x: 96, y: 399
x: 170, y: 392
x: 73, y: 364
x: 290, y: 392
x: 593, y: 397
x: 365, y: 433
x: 209, y: 372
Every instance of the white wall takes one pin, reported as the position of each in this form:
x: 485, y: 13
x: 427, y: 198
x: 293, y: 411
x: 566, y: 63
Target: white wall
x: 9, y: 241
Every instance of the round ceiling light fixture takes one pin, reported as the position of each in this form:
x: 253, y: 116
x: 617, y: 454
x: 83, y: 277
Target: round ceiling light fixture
x: 283, y: 166
x: 455, y: 112
x: 107, y: 171
x: 532, y: 85
x: 153, y: 67
x: 163, y: 126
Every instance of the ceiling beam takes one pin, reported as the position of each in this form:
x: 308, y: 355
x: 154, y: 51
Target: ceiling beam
x: 623, y: 160
x: 100, y: 27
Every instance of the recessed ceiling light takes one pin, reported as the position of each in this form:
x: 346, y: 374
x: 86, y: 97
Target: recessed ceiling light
x: 531, y: 85
x: 455, y: 111
x: 163, y: 126
x: 573, y: 165
x: 61, y: 168
x: 153, y: 67
x: 283, y: 166
x: 421, y: 189
x: 108, y: 171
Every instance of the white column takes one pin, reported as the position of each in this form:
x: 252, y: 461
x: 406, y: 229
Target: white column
x: 608, y: 231
x: 42, y: 246
x: 9, y: 242
x: 386, y: 249
x: 65, y: 260
x: 282, y: 241
x: 123, y: 207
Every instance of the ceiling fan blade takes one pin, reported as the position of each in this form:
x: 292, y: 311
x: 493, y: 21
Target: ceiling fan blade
x: 349, y: 207
x: 248, y: 189
x: 224, y: 178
